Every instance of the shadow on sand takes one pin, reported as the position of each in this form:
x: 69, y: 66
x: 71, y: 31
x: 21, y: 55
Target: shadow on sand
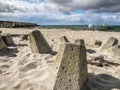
x: 102, y: 82
x: 53, y: 53
x: 91, y: 51
x: 7, y: 53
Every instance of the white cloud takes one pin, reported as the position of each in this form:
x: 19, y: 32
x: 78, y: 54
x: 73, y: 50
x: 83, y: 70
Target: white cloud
x: 55, y: 11
x: 20, y: 6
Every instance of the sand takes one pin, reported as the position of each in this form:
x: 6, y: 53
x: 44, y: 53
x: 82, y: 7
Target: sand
x: 27, y: 71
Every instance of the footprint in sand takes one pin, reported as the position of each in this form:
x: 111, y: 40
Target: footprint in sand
x: 4, y: 66
x: 3, y: 60
x: 48, y: 57
x: 29, y: 66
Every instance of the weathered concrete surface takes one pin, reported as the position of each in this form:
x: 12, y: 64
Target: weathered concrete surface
x: 111, y: 42
x: 64, y: 39
x: 72, y: 67
x: 98, y: 43
x: 80, y: 42
x: 8, y: 39
x: 2, y: 44
x: 38, y: 43
x: 115, y: 50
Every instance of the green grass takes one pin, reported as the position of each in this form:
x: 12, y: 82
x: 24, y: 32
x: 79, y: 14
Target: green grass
x: 110, y: 28
x: 73, y: 27
x: 82, y: 27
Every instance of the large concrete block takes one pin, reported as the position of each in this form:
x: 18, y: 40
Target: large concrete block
x: 25, y: 37
x: 111, y: 42
x: 38, y: 43
x: 2, y: 44
x: 0, y: 32
x: 71, y: 64
x: 8, y: 39
x: 98, y: 43
x: 64, y: 39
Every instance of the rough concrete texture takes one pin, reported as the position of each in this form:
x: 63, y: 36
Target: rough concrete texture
x: 64, y: 39
x: 8, y: 40
x: 38, y: 43
x: 2, y: 44
x: 111, y: 42
x: 98, y: 43
x: 72, y: 67
x: 80, y: 42
x: 115, y: 50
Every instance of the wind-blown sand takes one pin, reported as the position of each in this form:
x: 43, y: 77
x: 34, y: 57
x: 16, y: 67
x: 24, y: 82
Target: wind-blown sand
x: 27, y: 71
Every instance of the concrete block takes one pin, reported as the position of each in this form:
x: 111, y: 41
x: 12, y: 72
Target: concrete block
x: 115, y: 50
x: 38, y: 43
x: 2, y: 44
x: 80, y: 42
x: 0, y: 32
x: 98, y: 43
x: 64, y: 39
x: 112, y: 41
x: 71, y: 64
x: 25, y: 37
x: 8, y: 40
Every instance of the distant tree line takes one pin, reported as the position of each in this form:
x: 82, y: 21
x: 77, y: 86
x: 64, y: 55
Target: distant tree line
x: 84, y: 27
x: 73, y: 27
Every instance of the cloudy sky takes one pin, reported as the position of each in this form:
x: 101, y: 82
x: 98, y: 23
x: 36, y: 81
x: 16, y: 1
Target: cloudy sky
x: 62, y: 12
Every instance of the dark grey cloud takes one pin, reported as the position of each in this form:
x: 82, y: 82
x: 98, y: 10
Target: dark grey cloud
x: 22, y: 6
x: 6, y: 7
x: 88, y: 5
x: 66, y: 6
x: 61, y: 11
x: 61, y: 1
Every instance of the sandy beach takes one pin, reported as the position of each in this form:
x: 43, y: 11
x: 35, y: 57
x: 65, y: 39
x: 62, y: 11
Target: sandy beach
x: 32, y: 71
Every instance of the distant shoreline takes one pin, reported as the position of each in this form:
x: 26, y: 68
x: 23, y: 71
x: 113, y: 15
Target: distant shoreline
x: 29, y: 25
x: 13, y: 24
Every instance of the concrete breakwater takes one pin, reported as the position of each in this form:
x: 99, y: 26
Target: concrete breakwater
x: 12, y: 24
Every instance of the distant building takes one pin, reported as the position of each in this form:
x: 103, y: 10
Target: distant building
x: 91, y: 26
x: 102, y: 25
